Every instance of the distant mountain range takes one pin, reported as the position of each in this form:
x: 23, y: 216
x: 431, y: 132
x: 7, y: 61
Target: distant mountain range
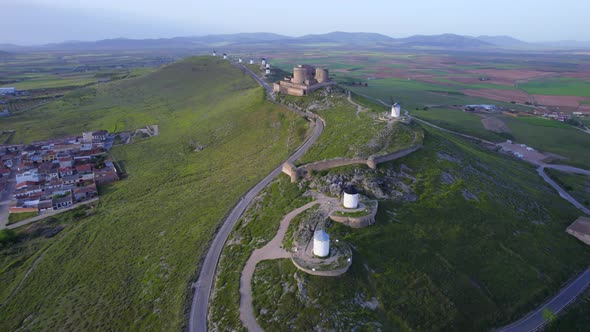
x: 442, y: 41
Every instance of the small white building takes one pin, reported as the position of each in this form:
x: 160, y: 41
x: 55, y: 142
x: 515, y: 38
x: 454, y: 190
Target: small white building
x: 396, y: 110
x: 224, y: 56
x: 214, y: 53
x: 268, y: 66
x: 350, y: 199
x: 240, y: 60
x: 321, y: 243
x: 267, y: 71
x: 263, y: 61
x: 7, y: 91
x: 251, y: 61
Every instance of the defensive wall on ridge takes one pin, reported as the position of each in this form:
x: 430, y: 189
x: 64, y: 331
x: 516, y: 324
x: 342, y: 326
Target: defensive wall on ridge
x: 297, y: 173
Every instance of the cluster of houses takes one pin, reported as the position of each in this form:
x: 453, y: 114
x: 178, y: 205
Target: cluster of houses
x: 58, y: 173
x: 554, y: 115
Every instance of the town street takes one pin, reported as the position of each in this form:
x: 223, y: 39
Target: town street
x: 6, y: 197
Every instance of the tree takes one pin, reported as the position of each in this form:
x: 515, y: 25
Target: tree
x: 548, y: 315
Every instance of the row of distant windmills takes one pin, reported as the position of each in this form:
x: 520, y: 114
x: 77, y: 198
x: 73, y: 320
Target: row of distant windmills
x: 263, y: 61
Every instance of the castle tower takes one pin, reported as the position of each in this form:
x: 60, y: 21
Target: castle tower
x: 321, y: 75
x: 299, y: 74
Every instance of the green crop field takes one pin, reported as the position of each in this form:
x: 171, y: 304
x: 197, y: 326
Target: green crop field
x: 545, y: 135
x: 130, y: 264
x: 414, y: 94
x: 561, y: 86
x: 482, y: 245
x: 560, y: 139
x: 46, y: 81
x: 541, y: 122
x: 16, y: 217
x: 459, y: 121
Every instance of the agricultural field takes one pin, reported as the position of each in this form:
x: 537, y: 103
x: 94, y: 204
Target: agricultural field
x: 546, y: 135
x: 460, y: 121
x: 48, y: 81
x: 561, y: 86
x: 482, y: 244
x: 577, y: 185
x: 129, y: 264
x: 43, y: 77
x: 16, y: 217
x: 435, y: 78
x: 542, y: 122
x: 561, y: 139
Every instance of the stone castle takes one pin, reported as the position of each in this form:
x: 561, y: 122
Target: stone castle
x: 305, y: 79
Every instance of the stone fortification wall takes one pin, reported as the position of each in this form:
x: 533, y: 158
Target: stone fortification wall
x: 356, y: 222
x: 296, y: 173
x: 328, y: 273
x: 373, y: 161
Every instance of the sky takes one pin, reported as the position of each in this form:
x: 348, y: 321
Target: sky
x: 27, y: 22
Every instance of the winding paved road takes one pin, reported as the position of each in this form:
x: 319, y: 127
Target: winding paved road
x: 203, y: 286
x: 262, y: 83
x: 564, y: 194
x: 566, y: 295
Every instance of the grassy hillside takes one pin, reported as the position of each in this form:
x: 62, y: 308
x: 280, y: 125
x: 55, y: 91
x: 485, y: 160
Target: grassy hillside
x: 350, y: 133
x: 483, y: 244
x: 129, y: 265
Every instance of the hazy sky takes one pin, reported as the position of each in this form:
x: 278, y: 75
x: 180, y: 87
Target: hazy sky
x: 43, y: 21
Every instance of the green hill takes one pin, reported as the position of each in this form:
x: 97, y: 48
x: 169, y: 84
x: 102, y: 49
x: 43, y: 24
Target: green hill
x: 130, y: 263
x: 478, y: 242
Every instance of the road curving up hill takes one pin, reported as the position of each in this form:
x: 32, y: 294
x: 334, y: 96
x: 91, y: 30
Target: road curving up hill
x: 203, y: 286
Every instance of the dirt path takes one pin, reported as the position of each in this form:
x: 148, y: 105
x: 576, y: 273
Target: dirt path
x: 272, y: 250
x: 359, y: 108
x: 494, y: 124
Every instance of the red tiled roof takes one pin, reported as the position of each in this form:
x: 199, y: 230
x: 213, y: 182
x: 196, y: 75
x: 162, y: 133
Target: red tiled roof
x: 84, y: 167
